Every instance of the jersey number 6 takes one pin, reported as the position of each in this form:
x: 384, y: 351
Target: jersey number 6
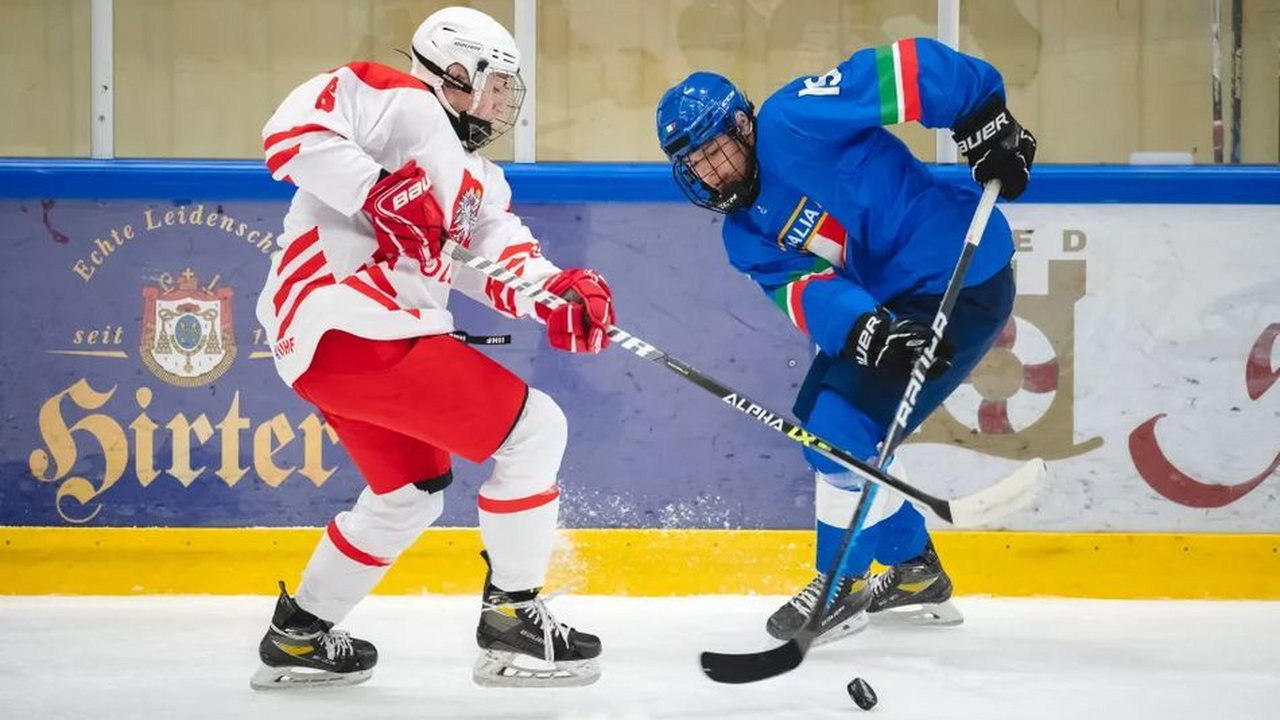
x: 828, y: 84
x: 325, y: 100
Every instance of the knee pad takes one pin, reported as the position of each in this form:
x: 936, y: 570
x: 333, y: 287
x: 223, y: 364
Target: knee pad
x: 528, y: 461
x: 385, y: 525
x: 838, y: 494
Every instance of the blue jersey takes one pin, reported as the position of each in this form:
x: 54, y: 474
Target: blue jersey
x: 847, y: 218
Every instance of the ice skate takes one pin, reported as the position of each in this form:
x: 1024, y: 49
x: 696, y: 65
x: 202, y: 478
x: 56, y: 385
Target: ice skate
x: 522, y: 644
x: 846, y: 614
x: 301, y: 650
x: 916, y: 592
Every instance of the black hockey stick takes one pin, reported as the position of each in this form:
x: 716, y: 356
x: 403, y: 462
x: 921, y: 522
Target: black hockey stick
x: 750, y: 667
x: 988, y: 504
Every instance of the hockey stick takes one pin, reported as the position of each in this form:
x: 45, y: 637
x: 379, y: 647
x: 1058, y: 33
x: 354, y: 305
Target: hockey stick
x: 986, y: 505
x: 750, y: 667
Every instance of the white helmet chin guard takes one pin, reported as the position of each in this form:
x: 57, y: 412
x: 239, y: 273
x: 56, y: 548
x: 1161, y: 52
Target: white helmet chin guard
x: 488, y: 53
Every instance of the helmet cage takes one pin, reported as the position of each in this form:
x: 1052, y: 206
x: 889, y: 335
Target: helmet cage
x: 735, y: 193
x: 496, y: 98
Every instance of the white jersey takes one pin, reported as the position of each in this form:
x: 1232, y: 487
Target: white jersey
x: 332, y: 136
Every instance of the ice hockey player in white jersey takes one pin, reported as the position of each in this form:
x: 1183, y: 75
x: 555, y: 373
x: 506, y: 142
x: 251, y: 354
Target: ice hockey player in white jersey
x: 355, y: 305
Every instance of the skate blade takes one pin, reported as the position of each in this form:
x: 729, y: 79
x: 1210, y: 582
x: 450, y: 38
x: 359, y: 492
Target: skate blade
x: 294, y: 678
x: 852, y: 626
x: 496, y: 668
x: 944, y: 614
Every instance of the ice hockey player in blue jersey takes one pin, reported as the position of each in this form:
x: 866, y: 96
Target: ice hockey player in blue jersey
x: 854, y: 240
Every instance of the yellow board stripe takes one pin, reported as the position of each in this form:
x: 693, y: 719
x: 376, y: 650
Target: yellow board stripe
x: 123, y: 561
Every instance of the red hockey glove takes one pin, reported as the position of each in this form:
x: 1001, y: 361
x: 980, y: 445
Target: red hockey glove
x: 406, y: 219
x: 582, y: 324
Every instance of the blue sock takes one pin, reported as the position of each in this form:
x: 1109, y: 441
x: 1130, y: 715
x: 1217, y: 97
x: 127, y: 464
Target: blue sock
x: 901, y: 536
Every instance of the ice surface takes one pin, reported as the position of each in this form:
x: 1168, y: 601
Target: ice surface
x: 151, y: 658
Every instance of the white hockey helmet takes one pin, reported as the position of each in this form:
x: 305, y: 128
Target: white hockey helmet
x: 488, y: 53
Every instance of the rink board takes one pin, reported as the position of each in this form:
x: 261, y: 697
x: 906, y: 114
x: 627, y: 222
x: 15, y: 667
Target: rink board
x: 1142, y: 365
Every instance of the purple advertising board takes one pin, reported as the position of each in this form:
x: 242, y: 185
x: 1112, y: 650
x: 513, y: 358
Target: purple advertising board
x: 138, y: 390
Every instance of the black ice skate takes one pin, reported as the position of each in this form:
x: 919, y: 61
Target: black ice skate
x: 301, y: 650
x: 845, y: 616
x: 522, y: 644
x: 916, y: 592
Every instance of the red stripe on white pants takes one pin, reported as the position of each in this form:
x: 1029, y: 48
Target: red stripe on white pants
x: 519, y: 504
x: 346, y: 548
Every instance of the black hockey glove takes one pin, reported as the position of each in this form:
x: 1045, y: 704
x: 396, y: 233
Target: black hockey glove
x: 997, y: 147
x: 879, y: 340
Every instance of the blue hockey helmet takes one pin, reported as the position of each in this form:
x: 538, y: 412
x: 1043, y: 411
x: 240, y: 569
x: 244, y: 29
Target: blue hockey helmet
x: 692, y: 114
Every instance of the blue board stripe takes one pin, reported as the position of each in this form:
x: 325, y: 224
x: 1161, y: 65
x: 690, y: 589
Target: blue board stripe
x: 614, y: 182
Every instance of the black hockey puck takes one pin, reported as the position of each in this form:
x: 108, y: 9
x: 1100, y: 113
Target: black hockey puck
x: 862, y: 694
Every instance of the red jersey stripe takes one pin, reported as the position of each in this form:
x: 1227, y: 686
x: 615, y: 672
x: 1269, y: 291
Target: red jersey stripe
x: 379, y: 278
x: 292, y: 132
x: 275, y: 162
x: 381, y: 77
x: 796, y: 295
x: 346, y: 548
x: 296, y: 248
x: 370, y: 292
x: 307, y: 289
x: 304, y: 271
x: 910, y: 80
x: 519, y: 504
x: 831, y: 229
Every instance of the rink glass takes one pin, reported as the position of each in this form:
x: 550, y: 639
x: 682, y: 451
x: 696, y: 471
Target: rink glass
x: 1095, y: 81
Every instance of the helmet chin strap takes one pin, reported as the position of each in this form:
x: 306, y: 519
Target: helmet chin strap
x: 471, y: 130
x: 456, y: 119
x: 461, y: 121
x: 465, y: 125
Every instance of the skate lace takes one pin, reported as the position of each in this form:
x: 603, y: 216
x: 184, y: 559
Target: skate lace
x: 882, y: 582
x: 551, y: 627
x: 807, y: 599
x: 336, y: 643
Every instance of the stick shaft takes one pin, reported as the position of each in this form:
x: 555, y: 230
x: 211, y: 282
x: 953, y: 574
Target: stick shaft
x: 737, y: 400
x: 915, y: 383
x: 907, y: 405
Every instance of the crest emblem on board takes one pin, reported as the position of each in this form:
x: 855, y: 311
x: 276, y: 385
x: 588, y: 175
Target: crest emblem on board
x: 187, y: 337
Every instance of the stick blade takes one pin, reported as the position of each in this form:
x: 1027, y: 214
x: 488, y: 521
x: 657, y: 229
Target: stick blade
x: 1009, y: 495
x: 735, y: 668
